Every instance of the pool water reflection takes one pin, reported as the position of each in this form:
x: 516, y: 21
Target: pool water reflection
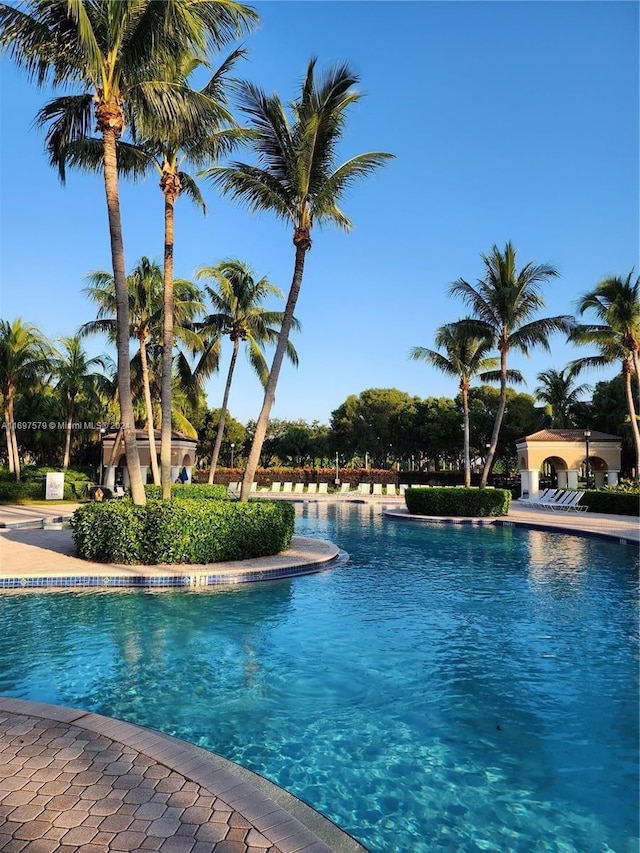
x: 449, y: 689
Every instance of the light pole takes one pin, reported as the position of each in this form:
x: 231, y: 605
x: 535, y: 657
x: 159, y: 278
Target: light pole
x: 337, y: 480
x: 232, y: 446
x: 587, y: 436
x: 102, y: 434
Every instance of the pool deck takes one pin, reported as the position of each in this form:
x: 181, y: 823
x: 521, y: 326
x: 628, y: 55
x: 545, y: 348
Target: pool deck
x: 76, y: 781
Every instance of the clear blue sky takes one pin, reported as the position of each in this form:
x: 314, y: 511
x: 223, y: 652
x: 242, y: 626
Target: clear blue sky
x: 509, y: 121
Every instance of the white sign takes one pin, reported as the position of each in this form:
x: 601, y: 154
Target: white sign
x: 55, y: 487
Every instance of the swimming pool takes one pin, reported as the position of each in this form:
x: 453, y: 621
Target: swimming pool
x: 448, y: 689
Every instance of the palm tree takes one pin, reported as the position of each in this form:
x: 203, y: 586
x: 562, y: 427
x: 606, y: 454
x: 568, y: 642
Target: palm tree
x: 465, y: 357
x: 117, y: 53
x: 299, y: 179
x: 561, y: 395
x: 237, y: 301
x: 24, y: 357
x: 503, y: 306
x: 615, y: 302
x: 145, y: 286
x: 73, y: 370
x: 166, y: 150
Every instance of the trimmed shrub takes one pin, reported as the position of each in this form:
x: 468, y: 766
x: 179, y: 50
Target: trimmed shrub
x: 612, y: 503
x: 182, y: 531
x: 458, y: 502
x: 111, y: 532
x: 189, y: 491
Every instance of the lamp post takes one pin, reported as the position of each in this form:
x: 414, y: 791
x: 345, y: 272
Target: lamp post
x: 100, y: 473
x: 232, y: 446
x: 587, y: 436
x: 337, y: 480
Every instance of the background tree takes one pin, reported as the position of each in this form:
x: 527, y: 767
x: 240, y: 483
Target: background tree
x: 24, y: 358
x: 297, y: 178
x: 72, y: 368
x: 503, y: 304
x: 118, y: 54
x: 145, y: 287
x: 465, y: 356
x: 237, y: 299
x: 616, y: 304
x: 561, y: 395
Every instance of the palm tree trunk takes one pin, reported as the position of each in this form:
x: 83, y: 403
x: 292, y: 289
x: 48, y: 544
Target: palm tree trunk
x: 14, y: 440
x: 153, y: 454
x: 223, y: 411
x: 167, y: 346
x: 122, y: 317
x: 498, y: 421
x: 270, y: 390
x: 465, y: 422
x: 627, y: 370
x: 8, y: 427
x: 67, y: 438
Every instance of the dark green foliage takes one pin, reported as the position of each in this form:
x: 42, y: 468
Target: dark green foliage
x: 111, y: 531
x: 612, y: 503
x: 32, y: 486
x: 458, y: 502
x: 189, y: 491
x: 182, y: 531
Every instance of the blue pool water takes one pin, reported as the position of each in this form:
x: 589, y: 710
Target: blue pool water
x: 448, y: 689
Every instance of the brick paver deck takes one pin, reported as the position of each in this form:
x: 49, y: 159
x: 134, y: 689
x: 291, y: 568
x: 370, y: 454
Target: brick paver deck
x: 73, y: 781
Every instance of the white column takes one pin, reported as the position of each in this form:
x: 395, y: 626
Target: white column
x: 571, y: 479
x: 530, y: 483
x: 109, y: 477
x: 612, y: 478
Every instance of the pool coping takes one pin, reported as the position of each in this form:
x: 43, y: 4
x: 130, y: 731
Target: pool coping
x: 287, y: 822
x: 44, y: 559
x: 625, y: 530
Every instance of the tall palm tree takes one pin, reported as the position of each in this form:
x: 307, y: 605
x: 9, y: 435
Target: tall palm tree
x: 73, y: 370
x: 298, y: 178
x: 166, y: 150
x: 117, y: 52
x: 237, y: 301
x: 616, y: 304
x: 465, y: 356
x: 24, y: 356
x: 558, y: 390
x: 503, y: 305
x: 145, y: 287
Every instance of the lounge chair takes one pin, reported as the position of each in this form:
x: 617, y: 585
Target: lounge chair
x: 275, y: 487
x: 403, y: 488
x: 364, y: 489
x: 390, y: 489
x: 298, y: 489
x: 344, y: 488
x: 570, y: 502
x: 254, y: 486
x: 377, y: 489
x: 312, y: 488
x: 544, y: 496
x: 287, y: 487
x: 233, y: 489
x: 323, y: 488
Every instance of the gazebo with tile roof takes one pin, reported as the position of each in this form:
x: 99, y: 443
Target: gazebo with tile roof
x: 114, y: 465
x: 566, y: 451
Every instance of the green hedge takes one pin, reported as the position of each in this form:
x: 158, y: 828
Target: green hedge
x: 458, y: 502
x: 190, y: 491
x: 181, y: 531
x: 612, y: 503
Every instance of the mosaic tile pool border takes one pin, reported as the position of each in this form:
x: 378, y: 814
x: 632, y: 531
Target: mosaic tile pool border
x: 170, y: 581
